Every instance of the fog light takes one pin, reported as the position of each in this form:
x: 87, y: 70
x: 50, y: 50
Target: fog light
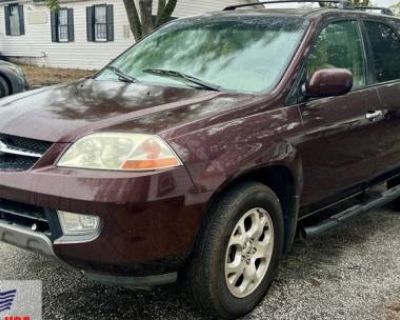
x: 78, y: 224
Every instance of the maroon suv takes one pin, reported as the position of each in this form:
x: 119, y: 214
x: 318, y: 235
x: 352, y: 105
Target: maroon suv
x: 203, y: 148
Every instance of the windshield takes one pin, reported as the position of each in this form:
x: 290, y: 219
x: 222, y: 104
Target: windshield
x: 245, y: 54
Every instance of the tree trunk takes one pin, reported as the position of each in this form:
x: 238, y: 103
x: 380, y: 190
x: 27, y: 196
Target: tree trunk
x: 166, y: 13
x: 146, y: 16
x: 133, y: 18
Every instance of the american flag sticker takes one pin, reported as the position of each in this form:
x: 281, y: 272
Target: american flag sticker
x: 20, y: 300
x: 7, y: 299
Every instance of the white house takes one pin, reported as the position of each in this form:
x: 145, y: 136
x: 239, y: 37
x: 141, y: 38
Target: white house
x: 85, y: 34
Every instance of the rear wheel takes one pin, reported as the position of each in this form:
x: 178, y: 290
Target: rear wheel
x: 4, y: 87
x: 237, y: 256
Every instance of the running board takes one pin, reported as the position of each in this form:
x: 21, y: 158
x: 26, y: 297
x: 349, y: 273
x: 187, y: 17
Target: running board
x: 336, y: 220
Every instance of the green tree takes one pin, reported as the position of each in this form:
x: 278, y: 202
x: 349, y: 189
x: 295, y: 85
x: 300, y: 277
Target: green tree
x: 140, y: 14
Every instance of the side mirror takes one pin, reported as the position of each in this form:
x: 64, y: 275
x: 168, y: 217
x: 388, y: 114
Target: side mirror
x: 328, y: 83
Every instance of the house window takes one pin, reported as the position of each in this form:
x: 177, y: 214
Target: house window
x: 14, y: 18
x: 62, y: 25
x: 100, y: 23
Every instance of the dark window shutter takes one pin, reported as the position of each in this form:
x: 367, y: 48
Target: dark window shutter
x: 71, y: 32
x: 7, y: 19
x: 110, y: 22
x: 90, y: 23
x: 54, y: 26
x: 21, y: 20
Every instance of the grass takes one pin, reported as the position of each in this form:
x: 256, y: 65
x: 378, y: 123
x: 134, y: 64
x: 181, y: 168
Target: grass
x: 42, y: 76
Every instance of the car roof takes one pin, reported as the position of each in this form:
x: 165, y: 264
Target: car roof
x: 306, y: 12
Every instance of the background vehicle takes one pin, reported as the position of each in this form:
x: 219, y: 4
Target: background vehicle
x: 207, y: 161
x: 12, y: 79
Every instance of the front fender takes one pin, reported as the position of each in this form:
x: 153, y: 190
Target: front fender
x: 217, y: 155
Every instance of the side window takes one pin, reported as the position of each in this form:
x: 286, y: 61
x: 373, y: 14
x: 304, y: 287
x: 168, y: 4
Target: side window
x: 62, y: 25
x: 386, y: 51
x: 100, y: 23
x: 339, y: 45
x: 14, y: 19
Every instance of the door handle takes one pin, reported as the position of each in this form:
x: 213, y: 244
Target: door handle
x: 374, y: 115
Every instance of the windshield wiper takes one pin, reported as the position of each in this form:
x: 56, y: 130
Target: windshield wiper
x: 122, y: 75
x: 181, y: 76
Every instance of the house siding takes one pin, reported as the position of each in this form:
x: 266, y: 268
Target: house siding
x: 36, y: 45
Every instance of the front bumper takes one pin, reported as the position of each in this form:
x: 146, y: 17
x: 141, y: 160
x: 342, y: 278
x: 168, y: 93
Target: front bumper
x: 26, y: 239
x: 36, y: 242
x: 149, y: 220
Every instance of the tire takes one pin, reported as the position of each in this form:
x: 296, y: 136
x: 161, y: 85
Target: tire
x: 4, y: 87
x: 211, y: 286
x: 392, y: 183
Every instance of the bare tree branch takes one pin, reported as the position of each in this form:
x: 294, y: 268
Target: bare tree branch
x: 133, y: 18
x: 161, y: 6
x: 146, y: 16
x: 166, y: 12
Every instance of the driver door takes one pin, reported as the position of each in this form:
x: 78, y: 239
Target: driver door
x: 339, y: 143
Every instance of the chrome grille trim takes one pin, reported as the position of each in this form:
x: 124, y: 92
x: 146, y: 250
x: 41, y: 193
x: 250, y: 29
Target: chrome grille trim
x: 4, y: 148
x: 19, y: 153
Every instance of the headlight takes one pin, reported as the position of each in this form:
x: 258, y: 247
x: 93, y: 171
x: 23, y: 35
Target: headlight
x: 73, y: 224
x: 120, y: 151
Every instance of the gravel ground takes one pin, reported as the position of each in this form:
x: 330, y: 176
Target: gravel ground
x: 353, y: 273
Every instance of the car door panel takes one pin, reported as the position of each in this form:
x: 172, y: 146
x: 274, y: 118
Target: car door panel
x: 339, y: 146
x: 340, y: 143
x: 384, y: 49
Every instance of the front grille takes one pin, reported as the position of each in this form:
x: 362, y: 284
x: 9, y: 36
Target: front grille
x: 20, y: 154
x: 32, y: 217
x: 36, y: 218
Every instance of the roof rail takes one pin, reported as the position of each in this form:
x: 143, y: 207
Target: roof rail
x: 385, y: 11
x: 343, y: 4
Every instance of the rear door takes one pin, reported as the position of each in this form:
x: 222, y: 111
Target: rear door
x: 384, y: 47
x: 340, y: 144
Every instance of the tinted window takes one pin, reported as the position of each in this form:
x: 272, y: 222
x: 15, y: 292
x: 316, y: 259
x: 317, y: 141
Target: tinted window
x: 247, y: 54
x: 386, y: 51
x: 339, y: 45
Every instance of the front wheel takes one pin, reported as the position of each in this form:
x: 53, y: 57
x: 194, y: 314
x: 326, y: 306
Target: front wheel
x: 237, y: 255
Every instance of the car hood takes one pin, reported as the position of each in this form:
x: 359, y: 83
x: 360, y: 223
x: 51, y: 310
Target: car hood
x: 65, y: 112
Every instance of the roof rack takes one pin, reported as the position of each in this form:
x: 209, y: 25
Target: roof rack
x: 342, y: 4
x: 385, y: 11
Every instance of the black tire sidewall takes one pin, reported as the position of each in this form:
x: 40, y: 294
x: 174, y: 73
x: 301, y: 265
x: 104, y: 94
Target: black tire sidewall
x: 231, y: 305
x: 4, y: 88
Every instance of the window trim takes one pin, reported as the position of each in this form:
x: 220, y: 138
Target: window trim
x: 59, y: 25
x: 370, y: 54
x: 109, y: 23
x: 55, y: 25
x: 21, y: 20
x: 95, y: 7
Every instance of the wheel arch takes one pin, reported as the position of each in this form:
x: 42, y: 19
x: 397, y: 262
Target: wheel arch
x: 285, y: 181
